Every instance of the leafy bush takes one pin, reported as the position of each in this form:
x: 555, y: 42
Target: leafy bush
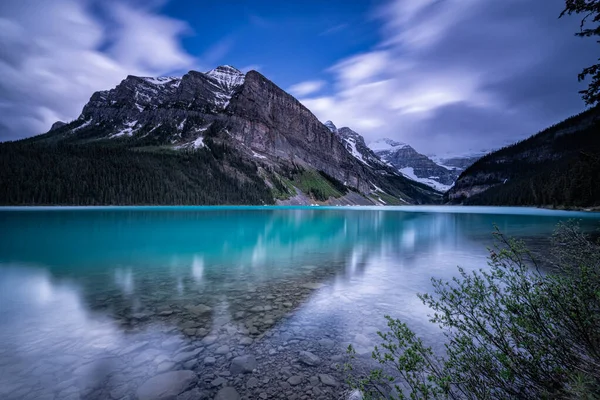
x: 513, y: 331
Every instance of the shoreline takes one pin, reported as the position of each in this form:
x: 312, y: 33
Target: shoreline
x: 451, y: 209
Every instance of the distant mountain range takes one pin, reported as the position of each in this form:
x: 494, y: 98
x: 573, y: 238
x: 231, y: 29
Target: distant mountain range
x: 402, y: 157
x: 220, y: 137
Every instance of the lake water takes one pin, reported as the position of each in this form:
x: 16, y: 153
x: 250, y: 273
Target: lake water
x: 179, y: 302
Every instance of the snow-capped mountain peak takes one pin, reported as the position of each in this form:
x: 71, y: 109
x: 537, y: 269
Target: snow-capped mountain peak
x: 386, y: 144
x: 414, y: 165
x: 228, y: 77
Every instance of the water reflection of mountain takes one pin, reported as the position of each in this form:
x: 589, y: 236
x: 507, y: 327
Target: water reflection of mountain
x: 141, y: 292
x: 127, y: 262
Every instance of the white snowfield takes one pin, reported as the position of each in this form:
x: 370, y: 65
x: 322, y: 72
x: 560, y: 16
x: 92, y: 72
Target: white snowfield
x: 386, y: 145
x: 228, y: 79
x: 409, y: 172
x: 227, y: 76
x: 161, y: 80
x: 352, y: 143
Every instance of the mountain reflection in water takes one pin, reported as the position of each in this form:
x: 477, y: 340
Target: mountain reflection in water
x: 94, y: 303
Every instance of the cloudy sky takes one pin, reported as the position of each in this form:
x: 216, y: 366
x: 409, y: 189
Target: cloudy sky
x: 447, y: 76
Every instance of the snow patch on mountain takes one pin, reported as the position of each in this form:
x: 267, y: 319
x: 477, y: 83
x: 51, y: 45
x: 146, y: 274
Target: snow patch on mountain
x: 352, y: 147
x: 85, y: 124
x: 410, y: 174
x: 126, y: 131
x: 386, y: 145
x: 228, y: 77
x: 161, y: 80
x: 199, y: 142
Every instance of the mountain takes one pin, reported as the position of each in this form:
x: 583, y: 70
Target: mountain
x: 457, y: 162
x: 355, y: 144
x: 415, y: 165
x: 557, y: 167
x: 220, y: 137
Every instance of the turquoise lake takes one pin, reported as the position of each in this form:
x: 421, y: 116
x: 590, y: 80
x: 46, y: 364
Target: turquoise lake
x: 96, y: 303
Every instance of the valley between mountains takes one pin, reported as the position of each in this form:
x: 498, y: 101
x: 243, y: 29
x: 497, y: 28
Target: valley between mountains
x: 224, y: 137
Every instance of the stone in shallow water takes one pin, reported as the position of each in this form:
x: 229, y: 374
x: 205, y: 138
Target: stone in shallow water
x: 218, y: 382
x: 252, y: 383
x: 210, y: 361
x: 328, y: 380
x: 295, y: 380
x: 326, y: 343
x: 133, y: 347
x: 145, y: 357
x: 93, y: 373
x: 312, y: 285
x: 246, y: 341
x: 227, y: 393
x: 309, y: 358
x: 222, y: 350
x: 243, y: 364
x: 119, y: 392
x: 165, y: 366
x: 185, y: 356
x: 193, y: 394
x: 208, y: 340
x: 166, y: 386
x: 199, y: 309
x: 201, y: 332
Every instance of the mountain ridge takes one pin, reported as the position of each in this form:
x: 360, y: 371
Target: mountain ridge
x: 558, y: 166
x: 240, y: 125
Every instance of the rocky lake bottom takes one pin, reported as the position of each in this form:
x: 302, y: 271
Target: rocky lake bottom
x: 256, y: 347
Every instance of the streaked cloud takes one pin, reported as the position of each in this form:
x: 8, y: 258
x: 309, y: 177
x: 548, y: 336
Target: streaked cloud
x: 334, y: 29
x: 306, y: 88
x: 55, y: 54
x: 457, y: 74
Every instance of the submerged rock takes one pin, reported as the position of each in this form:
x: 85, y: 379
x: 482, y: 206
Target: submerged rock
x: 309, y: 358
x: 166, y: 386
x: 227, y: 393
x: 243, y: 364
x: 328, y: 380
x: 199, y: 309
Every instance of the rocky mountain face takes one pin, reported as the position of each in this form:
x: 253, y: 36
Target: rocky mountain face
x: 559, y: 166
x: 160, y: 110
x: 355, y: 145
x: 415, y: 165
x: 244, y: 126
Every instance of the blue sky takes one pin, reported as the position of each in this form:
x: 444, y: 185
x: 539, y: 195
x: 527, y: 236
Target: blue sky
x: 287, y: 41
x: 446, y: 76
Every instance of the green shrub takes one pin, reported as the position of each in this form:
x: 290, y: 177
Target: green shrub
x: 513, y: 331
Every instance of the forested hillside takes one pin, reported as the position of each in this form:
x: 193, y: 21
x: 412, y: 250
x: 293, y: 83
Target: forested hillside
x: 559, y: 166
x: 63, y: 174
